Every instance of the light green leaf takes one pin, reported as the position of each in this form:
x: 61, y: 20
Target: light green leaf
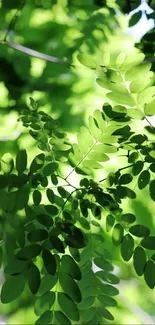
x: 149, y: 109
x: 7, y: 163
x: 117, y: 234
x: 86, y: 60
x: 121, y: 98
x: 120, y: 59
x: 146, y: 96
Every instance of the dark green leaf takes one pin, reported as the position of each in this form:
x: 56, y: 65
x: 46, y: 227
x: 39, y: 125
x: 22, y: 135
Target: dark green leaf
x: 86, y: 303
x: 33, y: 276
x: 50, y: 195
x: 29, y: 252
x: 70, y: 266
x: 108, y: 290
x: 143, y: 179
x: 110, y: 220
x: 50, y: 168
x: 152, y: 167
x: 57, y: 244
x: 137, y: 168
x: 36, y: 197
x: 52, y: 209
x: 16, y: 267
x: 152, y: 190
x: 149, y: 274
x: 89, y: 314
x: 139, y: 260
x: 62, y: 318
x: 37, y: 235
x: 127, y: 247
x: 127, y: 218
x: 45, y: 318
x: 117, y: 234
x: 44, y: 303
x: 68, y: 306
x: 135, y: 18
x: 148, y: 242
x: 105, y: 313
x: 139, y: 231
x: 76, y: 239
x: 70, y: 287
x: 12, y: 288
x: 125, y: 179
x: 108, y: 277
x: 7, y: 163
x: 54, y: 179
x: 22, y: 197
x: 37, y: 163
x: 45, y: 220
x: 49, y: 261
x: 21, y: 161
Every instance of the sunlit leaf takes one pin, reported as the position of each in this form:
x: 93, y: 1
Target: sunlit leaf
x: 117, y: 234
x: 87, y: 61
x: 7, y: 163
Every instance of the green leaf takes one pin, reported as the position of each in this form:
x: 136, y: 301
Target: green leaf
x: 45, y: 318
x: 57, y: 244
x: 52, y: 209
x: 105, y: 313
x: 152, y: 167
x: 89, y: 314
x: 146, y: 96
x: 76, y: 239
x: 149, y: 274
x: 127, y: 247
x: 49, y: 261
x: 37, y: 163
x: 121, y: 98
x: 107, y: 301
x: 48, y: 281
x: 43, y: 303
x: 127, y: 219
x: 16, y: 267
x: 117, y: 234
x: 37, y: 235
x: 36, y: 197
x: 50, y: 195
x: 22, y: 197
x: 54, y: 179
x: 149, y: 109
x: 137, y: 168
x: 152, y: 190
x: 139, y: 260
x: 7, y: 163
x: 33, y: 276
x: 86, y: 60
x: 12, y: 288
x: 125, y: 179
x: 143, y: 179
x: 68, y: 306
x: 62, y: 318
x: 70, y: 266
x: 86, y: 303
x: 45, y: 220
x: 108, y: 290
x: 50, y: 168
x: 1, y: 256
x: 148, y: 242
x: 21, y: 161
x: 108, y: 277
x: 28, y: 252
x: 139, y: 231
x: 70, y: 287
x: 135, y: 18
x: 103, y: 264
x: 120, y: 60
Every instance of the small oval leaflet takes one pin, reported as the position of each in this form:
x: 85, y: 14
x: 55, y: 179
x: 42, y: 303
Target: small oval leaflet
x: 43, y: 303
x: 103, y: 264
x: 49, y: 261
x: 108, y: 290
x: 110, y: 220
x: 148, y: 242
x: 7, y: 163
x: 21, y: 161
x: 70, y: 286
x: 37, y: 235
x: 127, y: 247
x: 125, y: 179
x: 139, y: 231
x: 108, y: 277
x: 29, y: 252
x: 36, y: 197
x: 86, y: 60
x: 107, y: 301
x: 37, y: 163
x: 152, y: 190
x: 50, y: 168
x: 139, y: 260
x: 105, y: 313
x: 149, y: 274
x: 127, y: 218
x: 70, y: 266
x: 137, y: 168
x: 50, y: 195
x: 68, y: 306
x: 57, y: 244
x: 45, y: 220
x: 143, y: 179
x: 117, y: 234
x: 48, y: 281
x: 45, y: 318
x: 33, y: 276
x: 12, y: 288
x: 62, y: 318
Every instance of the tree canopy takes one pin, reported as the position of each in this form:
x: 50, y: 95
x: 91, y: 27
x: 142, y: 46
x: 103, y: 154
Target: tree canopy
x: 77, y: 164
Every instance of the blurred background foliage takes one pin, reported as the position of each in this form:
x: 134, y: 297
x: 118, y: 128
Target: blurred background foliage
x: 63, y: 29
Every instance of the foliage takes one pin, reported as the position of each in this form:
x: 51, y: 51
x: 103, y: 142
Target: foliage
x: 57, y: 208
